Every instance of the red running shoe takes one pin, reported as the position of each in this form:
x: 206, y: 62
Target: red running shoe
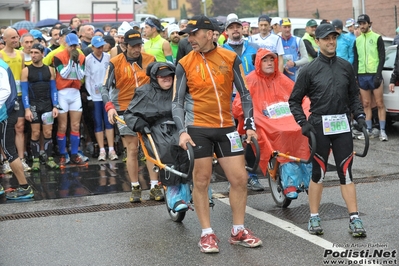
x: 62, y: 162
x: 209, y: 243
x: 77, y: 160
x: 245, y: 238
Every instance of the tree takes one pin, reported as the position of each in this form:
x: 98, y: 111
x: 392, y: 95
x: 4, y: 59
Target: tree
x: 183, y: 12
x: 195, y: 7
x: 255, y: 8
x: 223, y: 7
x: 155, y: 7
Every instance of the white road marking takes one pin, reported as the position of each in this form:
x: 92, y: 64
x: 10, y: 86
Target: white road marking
x: 295, y: 230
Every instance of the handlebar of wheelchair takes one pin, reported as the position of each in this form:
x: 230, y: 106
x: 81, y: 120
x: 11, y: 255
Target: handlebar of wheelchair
x: 257, y: 156
x: 366, y: 144
x: 313, y: 147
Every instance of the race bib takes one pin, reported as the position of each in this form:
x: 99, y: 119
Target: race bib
x: 277, y: 110
x: 97, y: 88
x: 235, y: 141
x: 335, y: 124
x: 47, y: 118
x: 120, y: 125
x: 18, y: 86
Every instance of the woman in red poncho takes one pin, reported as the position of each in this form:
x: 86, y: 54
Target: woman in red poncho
x: 276, y: 127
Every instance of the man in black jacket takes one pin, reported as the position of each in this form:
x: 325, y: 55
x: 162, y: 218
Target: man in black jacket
x: 329, y: 82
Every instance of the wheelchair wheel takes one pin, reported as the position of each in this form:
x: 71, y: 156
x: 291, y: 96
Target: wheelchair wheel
x: 277, y: 189
x: 175, y: 216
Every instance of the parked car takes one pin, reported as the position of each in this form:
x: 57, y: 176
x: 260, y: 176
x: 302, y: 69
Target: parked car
x: 391, y: 100
x: 387, y: 41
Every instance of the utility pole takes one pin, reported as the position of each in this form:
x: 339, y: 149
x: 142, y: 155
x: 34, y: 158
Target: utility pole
x: 204, y: 1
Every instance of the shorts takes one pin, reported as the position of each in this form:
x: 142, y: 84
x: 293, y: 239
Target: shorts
x: 366, y: 82
x: 215, y: 140
x: 125, y: 130
x: 69, y: 100
x: 39, y: 108
x: 100, y: 117
x: 21, y: 110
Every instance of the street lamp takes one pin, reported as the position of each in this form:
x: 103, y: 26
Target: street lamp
x: 204, y: 1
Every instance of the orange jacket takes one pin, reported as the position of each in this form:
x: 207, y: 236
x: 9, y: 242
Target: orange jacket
x: 61, y: 60
x: 123, y: 78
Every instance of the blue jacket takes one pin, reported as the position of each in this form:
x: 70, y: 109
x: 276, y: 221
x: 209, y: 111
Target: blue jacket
x: 345, y: 47
x: 246, y: 56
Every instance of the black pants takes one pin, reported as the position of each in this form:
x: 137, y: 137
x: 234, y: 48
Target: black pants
x: 7, y: 137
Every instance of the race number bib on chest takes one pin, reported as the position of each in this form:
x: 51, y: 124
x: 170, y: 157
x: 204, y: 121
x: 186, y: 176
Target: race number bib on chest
x: 335, y: 124
x: 235, y: 141
x: 277, y: 110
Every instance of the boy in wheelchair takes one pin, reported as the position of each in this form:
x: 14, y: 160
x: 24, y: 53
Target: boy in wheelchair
x: 151, y: 107
x: 276, y: 127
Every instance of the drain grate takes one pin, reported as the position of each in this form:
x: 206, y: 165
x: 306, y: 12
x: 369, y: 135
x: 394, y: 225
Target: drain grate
x: 329, y: 211
x: 77, y: 210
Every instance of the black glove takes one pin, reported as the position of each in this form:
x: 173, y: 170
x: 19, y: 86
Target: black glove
x: 75, y: 56
x: 140, y: 125
x: 377, y: 81
x: 307, y: 128
x: 361, y: 123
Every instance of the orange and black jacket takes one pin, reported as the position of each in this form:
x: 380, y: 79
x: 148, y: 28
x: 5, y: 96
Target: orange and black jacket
x: 204, y: 88
x: 122, y: 79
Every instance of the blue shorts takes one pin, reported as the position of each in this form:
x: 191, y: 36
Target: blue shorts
x: 100, y: 117
x: 366, y: 82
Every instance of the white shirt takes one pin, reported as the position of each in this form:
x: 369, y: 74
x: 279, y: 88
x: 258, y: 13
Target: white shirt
x: 5, y: 89
x: 95, y: 73
x: 271, y: 42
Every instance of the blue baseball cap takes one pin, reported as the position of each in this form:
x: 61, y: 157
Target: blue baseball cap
x: 72, y: 39
x: 97, y: 41
x: 37, y: 34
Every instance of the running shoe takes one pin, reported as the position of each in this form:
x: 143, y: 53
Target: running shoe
x: 50, y: 163
x: 36, y: 164
x: 356, y: 228
x: 78, y: 160
x: 356, y: 134
x: 136, y: 194
x: 102, y: 156
x: 253, y: 183
x: 112, y: 155
x: 83, y: 157
x: 209, y: 243
x: 25, y: 165
x: 373, y: 133
x: 1, y: 190
x: 62, y: 161
x: 6, y: 168
x: 67, y: 158
x: 21, y: 193
x: 156, y: 193
x: 383, y: 136
x: 245, y: 238
x: 314, y: 226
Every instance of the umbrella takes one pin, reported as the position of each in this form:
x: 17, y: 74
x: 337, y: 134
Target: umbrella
x: 48, y: 22
x: 24, y: 24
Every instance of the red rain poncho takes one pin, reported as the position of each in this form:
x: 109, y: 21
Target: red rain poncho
x: 280, y: 132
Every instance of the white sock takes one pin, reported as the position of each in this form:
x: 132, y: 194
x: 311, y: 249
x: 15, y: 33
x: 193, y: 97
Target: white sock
x: 135, y: 184
x: 154, y: 183
x: 102, y: 150
x: 237, y: 228
x: 314, y: 214
x: 110, y: 149
x: 206, y: 231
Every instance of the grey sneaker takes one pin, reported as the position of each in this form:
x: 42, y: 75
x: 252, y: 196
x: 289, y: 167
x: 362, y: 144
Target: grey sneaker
x: 102, y: 156
x: 25, y: 165
x: 136, y: 194
x: 314, y: 226
x: 356, y: 228
x: 112, y: 155
x: 156, y: 193
x: 356, y: 134
x: 383, y: 136
x: 253, y: 183
x: 6, y: 168
x: 21, y: 193
x: 374, y: 133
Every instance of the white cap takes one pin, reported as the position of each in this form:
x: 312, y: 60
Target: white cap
x: 172, y: 28
x: 275, y: 20
x: 231, y: 16
x: 254, y: 24
x: 124, y: 28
